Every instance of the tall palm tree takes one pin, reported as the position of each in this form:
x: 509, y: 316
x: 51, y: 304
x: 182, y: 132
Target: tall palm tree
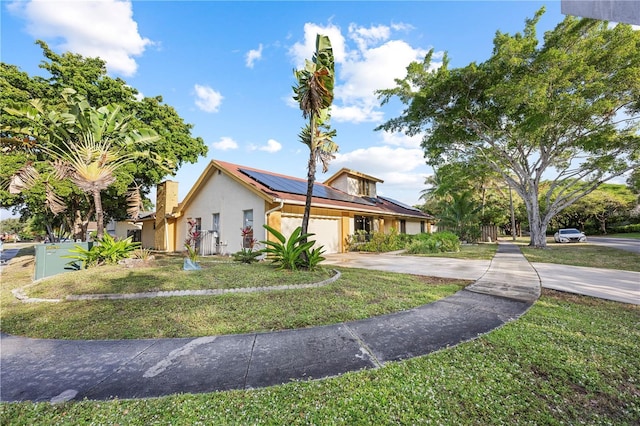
x: 314, y: 93
x: 85, y: 145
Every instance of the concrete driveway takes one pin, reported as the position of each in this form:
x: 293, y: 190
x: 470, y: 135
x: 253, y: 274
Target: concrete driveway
x: 610, y: 284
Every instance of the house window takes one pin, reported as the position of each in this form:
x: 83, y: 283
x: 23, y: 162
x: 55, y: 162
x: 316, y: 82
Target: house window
x: 247, y: 229
x: 403, y: 226
x: 215, y: 222
x: 422, y: 226
x: 364, y: 187
x: 362, y: 223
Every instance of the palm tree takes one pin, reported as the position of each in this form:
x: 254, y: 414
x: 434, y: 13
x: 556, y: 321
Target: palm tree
x: 461, y: 215
x: 85, y: 145
x: 314, y: 93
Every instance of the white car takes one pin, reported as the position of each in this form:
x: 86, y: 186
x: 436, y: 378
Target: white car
x: 569, y: 235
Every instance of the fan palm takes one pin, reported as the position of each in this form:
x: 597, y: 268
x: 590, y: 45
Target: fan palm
x: 85, y: 145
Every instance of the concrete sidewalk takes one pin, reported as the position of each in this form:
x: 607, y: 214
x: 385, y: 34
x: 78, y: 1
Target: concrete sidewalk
x: 58, y: 370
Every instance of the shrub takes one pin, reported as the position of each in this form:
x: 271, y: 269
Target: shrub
x: 627, y: 228
x: 106, y: 251
x: 142, y: 254
x: 439, y: 242
x: 376, y: 241
x: 247, y: 254
x: 292, y: 253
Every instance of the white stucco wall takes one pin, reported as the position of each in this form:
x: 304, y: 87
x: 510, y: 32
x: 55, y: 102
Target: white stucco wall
x: 224, y: 196
x: 341, y: 183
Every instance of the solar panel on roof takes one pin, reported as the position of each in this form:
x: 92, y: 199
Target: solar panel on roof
x: 398, y: 203
x: 293, y: 186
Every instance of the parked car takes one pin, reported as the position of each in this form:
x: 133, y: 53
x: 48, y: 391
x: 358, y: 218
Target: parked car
x: 569, y: 235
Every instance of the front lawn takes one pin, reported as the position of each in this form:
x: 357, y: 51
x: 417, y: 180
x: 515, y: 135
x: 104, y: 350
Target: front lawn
x: 568, y: 360
x: 357, y: 294
x: 481, y: 251
x: 580, y: 254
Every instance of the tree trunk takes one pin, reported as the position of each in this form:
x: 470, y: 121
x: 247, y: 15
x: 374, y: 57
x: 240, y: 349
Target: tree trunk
x: 311, y: 178
x: 311, y: 175
x: 97, y: 201
x: 78, y: 233
x: 537, y: 225
x: 603, y: 224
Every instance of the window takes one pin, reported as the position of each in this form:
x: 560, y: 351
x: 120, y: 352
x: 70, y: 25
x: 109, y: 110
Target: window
x: 215, y: 222
x: 362, y: 223
x: 364, y: 187
x: 403, y: 226
x: 247, y: 229
x: 422, y: 226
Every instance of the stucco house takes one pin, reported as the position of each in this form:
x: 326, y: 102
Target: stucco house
x: 228, y: 198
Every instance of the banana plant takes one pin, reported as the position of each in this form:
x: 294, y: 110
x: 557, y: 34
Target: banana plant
x: 314, y: 93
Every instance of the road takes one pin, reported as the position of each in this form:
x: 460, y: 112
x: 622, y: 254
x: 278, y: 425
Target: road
x: 628, y: 244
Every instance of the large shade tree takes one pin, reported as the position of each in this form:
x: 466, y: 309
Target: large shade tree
x: 566, y: 110
x: 88, y: 77
x: 314, y: 93
x: 85, y: 145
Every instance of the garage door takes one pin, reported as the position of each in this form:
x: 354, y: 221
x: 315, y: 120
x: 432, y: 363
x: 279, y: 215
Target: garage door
x: 326, y: 230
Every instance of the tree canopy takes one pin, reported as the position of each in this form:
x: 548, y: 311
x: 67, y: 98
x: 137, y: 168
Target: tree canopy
x: 88, y: 77
x: 566, y: 111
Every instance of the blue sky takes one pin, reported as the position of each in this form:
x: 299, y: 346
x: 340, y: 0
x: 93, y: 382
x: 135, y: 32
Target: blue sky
x: 227, y: 67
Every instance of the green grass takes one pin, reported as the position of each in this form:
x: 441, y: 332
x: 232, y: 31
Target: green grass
x: 482, y: 251
x: 584, y: 255
x: 167, y: 274
x: 357, y: 294
x: 568, y: 360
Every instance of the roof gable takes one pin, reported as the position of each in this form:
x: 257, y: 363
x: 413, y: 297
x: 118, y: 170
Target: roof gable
x: 350, y: 172
x: 275, y: 187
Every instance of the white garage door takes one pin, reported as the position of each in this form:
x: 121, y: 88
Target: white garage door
x: 326, y: 230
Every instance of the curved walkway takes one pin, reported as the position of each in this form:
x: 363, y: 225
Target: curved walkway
x: 60, y: 370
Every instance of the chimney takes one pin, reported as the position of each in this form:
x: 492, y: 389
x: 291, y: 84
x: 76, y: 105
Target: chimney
x: 166, y: 200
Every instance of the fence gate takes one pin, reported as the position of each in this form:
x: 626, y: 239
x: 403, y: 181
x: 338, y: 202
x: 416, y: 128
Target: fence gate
x: 489, y: 233
x: 209, y: 243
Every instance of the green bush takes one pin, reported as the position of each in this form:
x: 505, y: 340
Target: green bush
x: 626, y: 228
x: 247, y: 255
x: 292, y: 253
x: 439, y: 242
x: 106, y: 251
x: 376, y: 241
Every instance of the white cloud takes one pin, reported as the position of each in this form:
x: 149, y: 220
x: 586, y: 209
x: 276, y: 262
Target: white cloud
x: 403, y: 170
x: 254, y: 55
x: 207, y: 99
x: 271, y: 146
x: 367, y: 36
x: 381, y: 159
x: 373, y: 69
x: 104, y: 29
x: 400, y: 139
x: 369, y: 60
x: 355, y: 114
x: 302, y: 51
x: 225, y: 144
